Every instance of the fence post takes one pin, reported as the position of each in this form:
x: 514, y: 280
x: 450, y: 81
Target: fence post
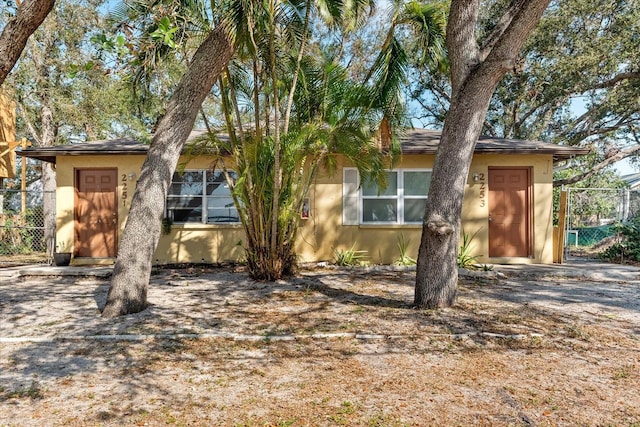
x: 627, y: 205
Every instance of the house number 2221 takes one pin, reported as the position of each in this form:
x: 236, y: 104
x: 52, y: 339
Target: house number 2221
x: 124, y: 189
x: 483, y: 190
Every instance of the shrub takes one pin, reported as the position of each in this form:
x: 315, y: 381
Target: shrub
x: 628, y: 248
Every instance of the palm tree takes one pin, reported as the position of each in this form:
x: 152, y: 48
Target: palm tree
x: 330, y: 117
x: 303, y: 111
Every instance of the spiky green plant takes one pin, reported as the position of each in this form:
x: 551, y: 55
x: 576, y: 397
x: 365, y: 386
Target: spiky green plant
x: 349, y: 257
x: 403, y: 259
x: 465, y: 257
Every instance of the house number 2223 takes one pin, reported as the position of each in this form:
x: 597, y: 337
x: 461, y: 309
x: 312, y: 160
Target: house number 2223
x: 124, y: 189
x: 483, y: 190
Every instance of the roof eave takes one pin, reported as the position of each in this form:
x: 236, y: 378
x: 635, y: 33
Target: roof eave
x: 558, y: 155
x: 50, y: 156
x: 44, y: 157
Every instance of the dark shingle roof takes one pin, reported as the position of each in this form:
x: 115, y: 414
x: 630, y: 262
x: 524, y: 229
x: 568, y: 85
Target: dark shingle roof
x: 425, y: 141
x: 122, y: 146
x: 415, y: 141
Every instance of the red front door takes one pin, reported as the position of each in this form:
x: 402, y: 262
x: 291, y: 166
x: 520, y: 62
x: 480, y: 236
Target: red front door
x: 96, y: 215
x: 509, y: 212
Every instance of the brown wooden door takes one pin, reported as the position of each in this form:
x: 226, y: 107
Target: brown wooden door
x: 509, y: 211
x: 96, y: 215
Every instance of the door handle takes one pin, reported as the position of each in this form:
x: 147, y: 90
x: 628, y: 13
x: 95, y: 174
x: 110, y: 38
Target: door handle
x: 490, y: 218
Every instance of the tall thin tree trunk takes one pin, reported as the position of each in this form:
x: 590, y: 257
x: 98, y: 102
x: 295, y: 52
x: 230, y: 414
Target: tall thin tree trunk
x: 296, y: 73
x: 47, y: 139
x: 274, y: 262
x: 49, y: 206
x: 128, y: 290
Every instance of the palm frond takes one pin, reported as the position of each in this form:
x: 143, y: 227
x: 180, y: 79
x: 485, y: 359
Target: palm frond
x: 428, y: 21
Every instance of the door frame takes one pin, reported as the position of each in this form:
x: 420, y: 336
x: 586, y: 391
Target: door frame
x: 76, y: 184
x: 529, y: 209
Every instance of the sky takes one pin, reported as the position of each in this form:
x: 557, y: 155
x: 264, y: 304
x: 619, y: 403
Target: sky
x: 625, y: 167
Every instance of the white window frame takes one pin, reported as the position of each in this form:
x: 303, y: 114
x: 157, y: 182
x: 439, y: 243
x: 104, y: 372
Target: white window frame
x: 204, y: 219
x: 399, y: 197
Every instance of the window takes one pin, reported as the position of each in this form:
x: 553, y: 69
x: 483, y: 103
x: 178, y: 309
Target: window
x: 380, y: 205
x: 403, y: 201
x: 201, y: 196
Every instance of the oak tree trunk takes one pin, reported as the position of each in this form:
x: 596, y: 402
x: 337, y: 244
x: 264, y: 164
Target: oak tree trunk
x: 15, y: 34
x: 436, y: 279
x: 128, y: 290
x: 476, y: 69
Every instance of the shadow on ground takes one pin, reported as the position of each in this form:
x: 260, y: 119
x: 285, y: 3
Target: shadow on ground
x: 39, y: 313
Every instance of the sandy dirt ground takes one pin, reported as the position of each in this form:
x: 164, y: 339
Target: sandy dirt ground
x: 327, y: 348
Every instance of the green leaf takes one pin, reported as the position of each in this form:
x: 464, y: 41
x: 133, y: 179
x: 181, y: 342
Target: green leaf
x: 73, y: 71
x: 165, y: 32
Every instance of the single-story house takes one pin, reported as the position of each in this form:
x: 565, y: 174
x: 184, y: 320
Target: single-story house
x: 507, y: 203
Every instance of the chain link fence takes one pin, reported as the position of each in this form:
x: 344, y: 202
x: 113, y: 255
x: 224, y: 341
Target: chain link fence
x: 27, y: 231
x: 592, y: 216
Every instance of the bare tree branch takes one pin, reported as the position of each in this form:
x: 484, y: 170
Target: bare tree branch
x: 525, y: 16
x: 600, y: 130
x: 622, y: 154
x: 14, y: 37
x: 543, y: 121
x: 35, y: 136
x: 543, y: 105
x: 617, y: 79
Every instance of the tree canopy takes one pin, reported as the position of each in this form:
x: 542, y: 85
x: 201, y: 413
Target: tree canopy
x: 576, y: 82
x: 64, y: 91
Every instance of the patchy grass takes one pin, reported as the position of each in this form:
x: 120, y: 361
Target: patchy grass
x: 490, y: 360
x: 33, y: 391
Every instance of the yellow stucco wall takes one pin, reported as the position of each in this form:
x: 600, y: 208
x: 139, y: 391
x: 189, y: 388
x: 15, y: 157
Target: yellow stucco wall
x: 323, y: 231
x: 475, y: 217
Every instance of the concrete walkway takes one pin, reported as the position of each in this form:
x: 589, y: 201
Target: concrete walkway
x: 590, y: 269
x: 54, y: 271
